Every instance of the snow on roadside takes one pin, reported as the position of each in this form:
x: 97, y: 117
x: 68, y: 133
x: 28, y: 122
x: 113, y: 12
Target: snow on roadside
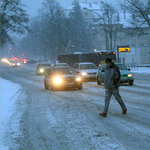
x: 8, y: 94
x: 141, y: 70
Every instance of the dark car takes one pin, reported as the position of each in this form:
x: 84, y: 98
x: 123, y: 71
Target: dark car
x: 42, y: 69
x: 62, y: 77
x: 126, y: 75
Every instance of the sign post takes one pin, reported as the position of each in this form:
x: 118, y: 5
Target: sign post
x: 122, y: 49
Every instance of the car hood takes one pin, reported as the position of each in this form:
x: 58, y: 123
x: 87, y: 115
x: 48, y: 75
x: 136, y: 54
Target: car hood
x: 89, y: 70
x: 123, y: 72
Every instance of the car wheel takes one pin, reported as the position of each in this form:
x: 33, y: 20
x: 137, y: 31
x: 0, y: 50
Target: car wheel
x: 45, y: 85
x: 98, y: 82
x: 130, y: 82
x: 80, y: 87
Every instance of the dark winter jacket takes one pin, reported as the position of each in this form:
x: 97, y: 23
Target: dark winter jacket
x: 112, y: 77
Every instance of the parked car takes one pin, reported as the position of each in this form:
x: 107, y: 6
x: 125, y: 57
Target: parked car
x: 126, y: 74
x: 87, y: 70
x: 42, y: 69
x: 62, y: 77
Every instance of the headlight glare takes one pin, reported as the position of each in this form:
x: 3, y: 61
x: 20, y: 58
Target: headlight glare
x: 41, y: 70
x: 57, y: 80
x: 84, y: 73
x: 130, y: 75
x: 78, y: 79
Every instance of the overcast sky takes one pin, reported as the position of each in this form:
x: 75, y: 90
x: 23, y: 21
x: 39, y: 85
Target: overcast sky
x: 34, y: 5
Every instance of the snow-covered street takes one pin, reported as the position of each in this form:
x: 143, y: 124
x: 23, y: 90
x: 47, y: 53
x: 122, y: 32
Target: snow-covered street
x: 37, y: 119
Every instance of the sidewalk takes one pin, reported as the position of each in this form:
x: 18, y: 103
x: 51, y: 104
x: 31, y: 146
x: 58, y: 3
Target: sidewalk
x: 141, y: 70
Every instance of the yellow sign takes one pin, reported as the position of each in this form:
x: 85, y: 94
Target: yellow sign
x: 124, y: 49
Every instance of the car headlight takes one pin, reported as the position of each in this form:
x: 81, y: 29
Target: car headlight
x: 84, y: 73
x: 78, y: 79
x: 18, y: 64
x: 57, y: 80
x: 41, y: 70
x: 13, y: 64
x: 130, y: 75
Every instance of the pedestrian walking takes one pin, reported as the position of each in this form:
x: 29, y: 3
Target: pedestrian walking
x: 112, y: 83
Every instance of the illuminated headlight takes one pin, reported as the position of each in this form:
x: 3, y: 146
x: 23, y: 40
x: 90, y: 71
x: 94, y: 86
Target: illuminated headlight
x: 84, y: 73
x: 130, y: 75
x: 57, y: 80
x: 2, y: 60
x: 41, y: 70
x: 78, y: 79
x: 24, y: 62
x: 18, y: 64
x: 13, y: 64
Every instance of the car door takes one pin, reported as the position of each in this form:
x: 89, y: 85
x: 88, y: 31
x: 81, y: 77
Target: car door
x: 101, y: 73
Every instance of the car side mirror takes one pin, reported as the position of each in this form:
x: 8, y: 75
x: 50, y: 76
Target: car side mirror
x: 102, y: 70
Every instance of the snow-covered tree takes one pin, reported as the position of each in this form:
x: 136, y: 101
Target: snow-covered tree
x: 14, y: 19
x: 79, y: 32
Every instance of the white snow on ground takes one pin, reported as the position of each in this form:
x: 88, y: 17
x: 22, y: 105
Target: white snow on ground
x: 8, y: 94
x: 141, y: 70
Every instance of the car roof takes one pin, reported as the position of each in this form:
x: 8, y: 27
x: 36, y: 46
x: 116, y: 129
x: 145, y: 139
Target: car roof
x: 44, y: 64
x: 82, y: 63
x: 61, y: 67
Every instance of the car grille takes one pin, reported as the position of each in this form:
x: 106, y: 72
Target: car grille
x: 124, y: 75
x: 69, y: 79
x: 91, y: 73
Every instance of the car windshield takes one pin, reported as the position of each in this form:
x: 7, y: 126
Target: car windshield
x: 121, y: 66
x: 87, y: 66
x: 44, y: 66
x: 63, y: 71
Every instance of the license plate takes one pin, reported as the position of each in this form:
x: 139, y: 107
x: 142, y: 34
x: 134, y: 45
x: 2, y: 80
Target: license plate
x: 69, y: 83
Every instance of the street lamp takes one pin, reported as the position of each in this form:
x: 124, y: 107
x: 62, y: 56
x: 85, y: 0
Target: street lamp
x: 85, y: 8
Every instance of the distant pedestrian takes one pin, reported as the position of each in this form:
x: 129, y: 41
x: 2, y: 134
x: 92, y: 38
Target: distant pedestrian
x: 112, y: 83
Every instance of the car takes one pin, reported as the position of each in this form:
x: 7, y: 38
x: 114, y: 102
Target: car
x: 60, y: 64
x: 14, y: 63
x: 42, y: 69
x: 126, y: 74
x: 62, y: 77
x: 87, y: 70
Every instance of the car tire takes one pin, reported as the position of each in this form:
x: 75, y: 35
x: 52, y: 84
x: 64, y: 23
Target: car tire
x: 130, y: 82
x: 80, y: 87
x: 45, y: 85
x: 98, y: 82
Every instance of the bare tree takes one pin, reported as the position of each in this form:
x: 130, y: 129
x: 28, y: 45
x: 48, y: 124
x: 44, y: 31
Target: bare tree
x: 108, y: 23
x: 13, y: 19
x: 140, y: 12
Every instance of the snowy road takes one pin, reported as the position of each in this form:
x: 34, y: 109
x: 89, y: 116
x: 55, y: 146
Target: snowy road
x: 69, y: 120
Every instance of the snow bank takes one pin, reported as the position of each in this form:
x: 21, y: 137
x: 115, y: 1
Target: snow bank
x: 141, y: 70
x: 8, y: 94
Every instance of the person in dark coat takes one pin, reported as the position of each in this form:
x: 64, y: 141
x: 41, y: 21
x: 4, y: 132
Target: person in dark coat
x: 112, y: 83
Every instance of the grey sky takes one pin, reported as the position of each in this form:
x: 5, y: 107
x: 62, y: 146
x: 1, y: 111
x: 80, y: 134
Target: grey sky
x: 34, y: 5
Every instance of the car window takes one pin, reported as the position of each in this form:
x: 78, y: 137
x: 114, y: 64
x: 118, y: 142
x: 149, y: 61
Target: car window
x: 63, y: 71
x: 88, y: 66
x: 75, y: 66
x: 121, y: 67
x: 44, y: 65
x: 103, y: 67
